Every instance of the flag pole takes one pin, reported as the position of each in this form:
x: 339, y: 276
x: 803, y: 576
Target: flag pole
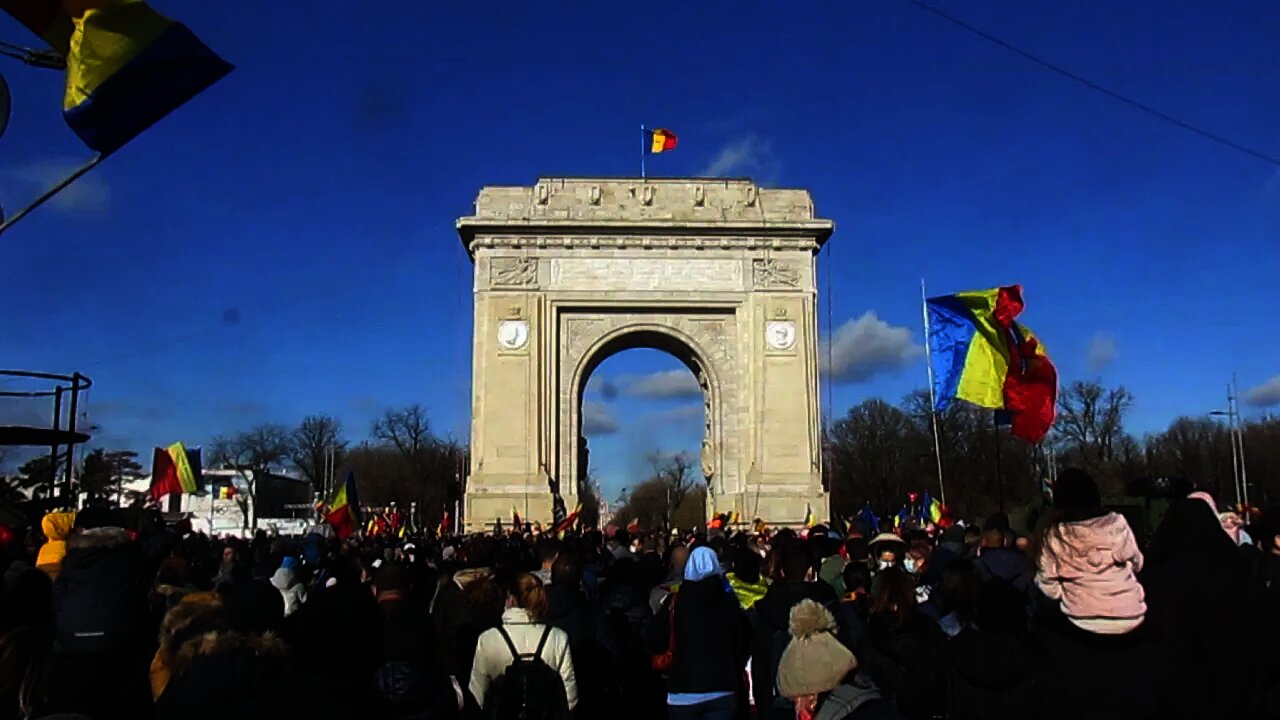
x: 642, y: 149
x: 933, y: 401
x: 48, y: 194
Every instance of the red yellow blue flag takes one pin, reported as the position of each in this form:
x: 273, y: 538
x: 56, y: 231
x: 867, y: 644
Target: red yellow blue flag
x: 662, y: 140
x: 344, y: 508
x: 176, y: 470
x: 979, y: 354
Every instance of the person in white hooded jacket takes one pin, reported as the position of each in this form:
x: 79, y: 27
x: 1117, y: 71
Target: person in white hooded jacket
x: 522, y: 621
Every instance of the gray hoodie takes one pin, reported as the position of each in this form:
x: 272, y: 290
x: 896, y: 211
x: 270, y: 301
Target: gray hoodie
x: 846, y: 699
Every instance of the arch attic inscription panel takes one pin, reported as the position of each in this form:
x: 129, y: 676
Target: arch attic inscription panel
x: 720, y: 273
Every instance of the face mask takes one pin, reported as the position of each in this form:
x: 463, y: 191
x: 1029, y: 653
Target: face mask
x: 909, y: 565
x: 885, y: 564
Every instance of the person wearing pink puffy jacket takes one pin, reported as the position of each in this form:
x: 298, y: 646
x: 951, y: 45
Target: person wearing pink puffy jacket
x: 1097, y: 658
x: 1089, y: 561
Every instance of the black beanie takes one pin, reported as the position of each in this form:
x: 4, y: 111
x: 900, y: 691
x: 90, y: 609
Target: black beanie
x: 1075, y: 491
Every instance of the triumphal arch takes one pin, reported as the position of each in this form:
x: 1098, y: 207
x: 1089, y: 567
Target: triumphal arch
x: 719, y: 273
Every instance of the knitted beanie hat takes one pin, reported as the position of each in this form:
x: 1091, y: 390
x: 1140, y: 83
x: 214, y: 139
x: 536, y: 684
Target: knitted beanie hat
x: 814, y: 661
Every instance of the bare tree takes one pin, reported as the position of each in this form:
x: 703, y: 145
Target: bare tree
x: 870, y: 452
x: 1091, y: 421
x: 674, y: 472
x: 251, y: 453
x: 407, y: 429
x: 310, y: 444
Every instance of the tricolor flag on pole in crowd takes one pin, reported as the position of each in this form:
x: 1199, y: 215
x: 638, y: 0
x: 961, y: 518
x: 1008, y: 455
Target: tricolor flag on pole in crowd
x: 176, y: 470
x: 569, y: 520
x: 344, y: 508
x: 515, y: 519
x: 809, y: 520
x: 979, y: 354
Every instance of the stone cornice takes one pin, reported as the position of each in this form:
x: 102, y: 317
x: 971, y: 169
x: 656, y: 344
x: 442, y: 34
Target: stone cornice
x: 809, y: 242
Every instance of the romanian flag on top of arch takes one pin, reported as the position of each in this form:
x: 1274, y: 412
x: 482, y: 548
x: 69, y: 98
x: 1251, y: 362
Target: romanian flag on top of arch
x: 662, y: 140
x: 127, y: 65
x: 978, y: 353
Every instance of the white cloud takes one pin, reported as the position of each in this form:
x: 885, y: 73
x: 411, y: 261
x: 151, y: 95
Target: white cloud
x: 597, y: 420
x: 866, y: 347
x: 90, y: 194
x: 678, y: 383
x: 677, y: 414
x: 1102, y: 350
x: 1265, y: 395
x: 748, y: 156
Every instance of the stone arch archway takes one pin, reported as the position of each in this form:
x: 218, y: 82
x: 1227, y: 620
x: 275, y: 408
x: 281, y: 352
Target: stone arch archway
x: 718, y: 272
x: 697, y: 342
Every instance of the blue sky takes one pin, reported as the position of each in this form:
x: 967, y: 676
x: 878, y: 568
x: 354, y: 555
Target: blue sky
x: 284, y: 244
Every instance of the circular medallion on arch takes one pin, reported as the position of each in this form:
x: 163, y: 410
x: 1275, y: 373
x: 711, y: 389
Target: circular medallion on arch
x: 780, y: 334
x: 513, y: 334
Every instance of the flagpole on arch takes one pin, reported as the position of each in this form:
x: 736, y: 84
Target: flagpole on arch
x: 933, y: 401
x: 642, y: 150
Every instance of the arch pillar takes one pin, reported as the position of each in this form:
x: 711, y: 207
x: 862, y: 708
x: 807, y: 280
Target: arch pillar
x: 718, y: 272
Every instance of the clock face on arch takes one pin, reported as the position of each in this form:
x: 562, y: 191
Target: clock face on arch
x: 780, y: 334
x: 513, y: 334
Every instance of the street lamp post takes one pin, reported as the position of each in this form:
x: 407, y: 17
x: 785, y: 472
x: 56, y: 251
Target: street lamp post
x: 1236, y: 432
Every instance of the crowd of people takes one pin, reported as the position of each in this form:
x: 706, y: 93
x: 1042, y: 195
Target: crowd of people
x: 123, y: 616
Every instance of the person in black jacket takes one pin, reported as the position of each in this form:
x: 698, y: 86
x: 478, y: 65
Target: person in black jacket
x: 711, y: 642
x: 770, y: 634
x: 1202, y: 605
x: 907, y: 644
x: 411, y: 681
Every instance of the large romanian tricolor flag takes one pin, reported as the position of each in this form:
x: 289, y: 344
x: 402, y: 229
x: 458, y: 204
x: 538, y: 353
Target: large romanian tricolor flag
x: 174, y: 469
x: 979, y: 354
x: 344, y: 508
x: 661, y: 140
x: 127, y: 66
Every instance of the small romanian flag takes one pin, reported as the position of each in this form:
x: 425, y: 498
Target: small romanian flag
x: 569, y: 521
x: 661, y: 140
x: 516, y: 522
x: 174, y: 470
x: 127, y: 65
x: 343, y: 508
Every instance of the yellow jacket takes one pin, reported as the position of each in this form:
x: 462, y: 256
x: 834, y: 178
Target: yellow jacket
x: 748, y: 593
x: 57, y: 527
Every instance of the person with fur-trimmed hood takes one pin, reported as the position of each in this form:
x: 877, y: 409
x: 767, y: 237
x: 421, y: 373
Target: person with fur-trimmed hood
x: 196, y: 614
x: 238, y: 668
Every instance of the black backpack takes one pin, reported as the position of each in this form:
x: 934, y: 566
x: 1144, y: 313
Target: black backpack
x: 529, y: 688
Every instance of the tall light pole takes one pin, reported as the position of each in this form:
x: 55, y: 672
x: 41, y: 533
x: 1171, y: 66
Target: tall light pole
x: 1236, y: 432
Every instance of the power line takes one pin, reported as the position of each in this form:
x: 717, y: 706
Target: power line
x: 1257, y: 154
